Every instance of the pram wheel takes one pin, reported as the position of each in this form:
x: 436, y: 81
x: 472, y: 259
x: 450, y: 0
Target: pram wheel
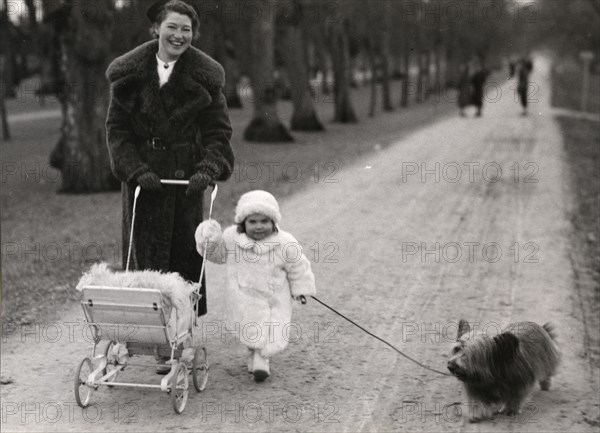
x: 109, y: 367
x: 200, y: 369
x: 179, y: 388
x: 83, y: 392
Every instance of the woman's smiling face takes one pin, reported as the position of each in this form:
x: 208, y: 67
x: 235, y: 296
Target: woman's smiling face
x: 175, y: 35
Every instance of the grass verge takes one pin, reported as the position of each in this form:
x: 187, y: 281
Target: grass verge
x: 582, y: 148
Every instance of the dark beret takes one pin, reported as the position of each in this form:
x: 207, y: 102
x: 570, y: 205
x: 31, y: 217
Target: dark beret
x: 154, y: 9
x: 157, y: 6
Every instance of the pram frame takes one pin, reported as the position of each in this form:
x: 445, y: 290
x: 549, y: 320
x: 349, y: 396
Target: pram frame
x: 97, y: 300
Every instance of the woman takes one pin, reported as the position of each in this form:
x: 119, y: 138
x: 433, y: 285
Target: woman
x: 167, y: 119
x: 464, y: 89
x: 478, y: 83
x: 525, y: 68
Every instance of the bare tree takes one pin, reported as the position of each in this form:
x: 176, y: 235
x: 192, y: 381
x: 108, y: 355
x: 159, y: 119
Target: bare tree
x: 369, y: 47
x: 5, y: 81
x: 304, y: 117
x: 33, y: 27
x: 265, y: 124
x: 385, y: 54
x: 337, y: 37
x: 3, y: 115
x: 81, y: 153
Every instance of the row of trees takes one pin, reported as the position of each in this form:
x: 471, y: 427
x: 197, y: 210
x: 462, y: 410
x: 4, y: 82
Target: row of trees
x: 70, y: 43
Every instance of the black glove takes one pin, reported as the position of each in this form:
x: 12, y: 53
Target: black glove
x: 149, y: 181
x: 198, y: 183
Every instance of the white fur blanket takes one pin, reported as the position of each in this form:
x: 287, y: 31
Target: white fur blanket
x: 175, y: 290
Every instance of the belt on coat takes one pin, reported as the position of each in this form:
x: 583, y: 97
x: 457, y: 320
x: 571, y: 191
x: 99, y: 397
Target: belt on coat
x: 157, y: 143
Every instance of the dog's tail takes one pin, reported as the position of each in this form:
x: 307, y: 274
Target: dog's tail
x: 551, y: 330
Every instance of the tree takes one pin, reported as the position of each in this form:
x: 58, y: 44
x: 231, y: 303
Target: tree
x: 338, y: 43
x: 304, y: 117
x: 407, y: 48
x: 5, y: 77
x: 224, y: 43
x: 81, y: 154
x: 3, y: 115
x: 265, y: 124
x: 385, y: 54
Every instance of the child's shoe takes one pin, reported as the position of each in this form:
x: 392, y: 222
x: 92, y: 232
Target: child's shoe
x: 251, y: 361
x: 261, y: 367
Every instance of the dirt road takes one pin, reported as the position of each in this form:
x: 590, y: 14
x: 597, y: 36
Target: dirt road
x: 466, y: 218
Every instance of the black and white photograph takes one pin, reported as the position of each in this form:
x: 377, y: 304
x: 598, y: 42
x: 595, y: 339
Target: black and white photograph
x: 300, y: 216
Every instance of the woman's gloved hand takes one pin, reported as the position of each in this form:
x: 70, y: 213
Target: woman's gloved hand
x: 198, y: 183
x: 149, y: 181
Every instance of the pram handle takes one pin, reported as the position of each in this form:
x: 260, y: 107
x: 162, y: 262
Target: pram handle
x: 167, y: 182
x: 179, y: 182
x: 174, y: 182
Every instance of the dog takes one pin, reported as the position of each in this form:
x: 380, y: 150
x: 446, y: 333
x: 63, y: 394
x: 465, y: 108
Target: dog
x: 502, y: 370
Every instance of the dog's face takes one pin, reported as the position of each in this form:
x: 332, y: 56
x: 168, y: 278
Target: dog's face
x: 477, y: 358
x: 458, y: 357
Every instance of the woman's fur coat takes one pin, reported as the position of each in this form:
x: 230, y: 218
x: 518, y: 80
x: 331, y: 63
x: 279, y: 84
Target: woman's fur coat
x: 262, y: 277
x: 189, y: 115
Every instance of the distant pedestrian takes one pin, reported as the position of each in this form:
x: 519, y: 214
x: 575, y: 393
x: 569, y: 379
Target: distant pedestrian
x: 524, y: 68
x: 266, y: 270
x: 478, y: 78
x: 471, y: 86
x: 464, y: 89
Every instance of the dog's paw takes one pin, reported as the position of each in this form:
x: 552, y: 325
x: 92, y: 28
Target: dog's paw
x: 481, y: 412
x: 545, y: 384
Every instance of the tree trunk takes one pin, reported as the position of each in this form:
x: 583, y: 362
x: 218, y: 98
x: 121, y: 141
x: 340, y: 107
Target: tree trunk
x: 426, y: 74
x: 81, y: 152
x: 304, y: 116
x: 34, y: 35
x: 3, y: 115
x: 322, y: 65
x: 7, y: 43
x: 224, y: 47
x: 406, y: 72
x: 265, y: 125
x: 438, y: 68
x: 453, y: 62
x: 51, y: 79
x: 385, y: 82
x: 373, y: 81
x: 5, y: 82
x: 232, y: 75
x: 385, y: 54
x: 338, y: 38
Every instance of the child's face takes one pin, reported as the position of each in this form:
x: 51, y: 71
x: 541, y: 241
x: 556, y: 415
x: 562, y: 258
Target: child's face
x: 258, y: 226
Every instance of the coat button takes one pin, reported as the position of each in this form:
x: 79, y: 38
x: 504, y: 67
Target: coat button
x: 179, y: 174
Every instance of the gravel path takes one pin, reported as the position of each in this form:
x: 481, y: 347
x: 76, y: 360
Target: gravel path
x: 465, y: 218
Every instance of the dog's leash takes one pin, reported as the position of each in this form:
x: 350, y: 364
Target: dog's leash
x: 303, y: 300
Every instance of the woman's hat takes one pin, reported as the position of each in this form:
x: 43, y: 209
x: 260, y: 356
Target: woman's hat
x: 157, y: 7
x: 154, y: 9
x: 260, y: 202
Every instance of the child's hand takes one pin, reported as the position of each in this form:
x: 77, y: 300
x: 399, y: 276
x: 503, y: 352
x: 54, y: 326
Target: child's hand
x: 301, y: 299
x: 209, y: 230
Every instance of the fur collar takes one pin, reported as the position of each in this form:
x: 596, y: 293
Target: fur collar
x: 166, y: 110
x: 200, y: 67
x: 277, y: 239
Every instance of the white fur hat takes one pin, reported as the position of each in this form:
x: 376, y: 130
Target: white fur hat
x: 257, y: 201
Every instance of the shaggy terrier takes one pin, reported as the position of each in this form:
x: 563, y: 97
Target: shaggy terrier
x: 501, y: 371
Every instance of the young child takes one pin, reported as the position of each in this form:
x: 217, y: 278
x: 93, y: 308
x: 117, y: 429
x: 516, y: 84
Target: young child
x: 265, y: 271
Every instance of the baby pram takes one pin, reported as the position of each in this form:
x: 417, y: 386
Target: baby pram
x: 141, y: 321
